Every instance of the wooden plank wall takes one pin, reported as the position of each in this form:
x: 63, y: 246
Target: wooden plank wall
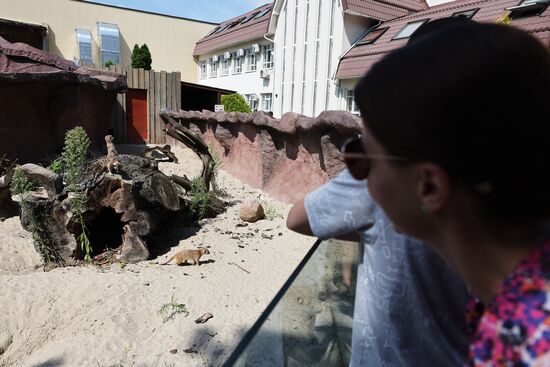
x: 163, y: 92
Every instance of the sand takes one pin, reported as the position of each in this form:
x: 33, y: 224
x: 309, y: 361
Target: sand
x: 109, y: 316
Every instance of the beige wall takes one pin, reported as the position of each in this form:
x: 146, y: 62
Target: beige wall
x: 170, y: 40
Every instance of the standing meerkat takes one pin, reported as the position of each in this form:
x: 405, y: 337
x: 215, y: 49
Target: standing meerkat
x: 184, y: 255
x: 112, y: 154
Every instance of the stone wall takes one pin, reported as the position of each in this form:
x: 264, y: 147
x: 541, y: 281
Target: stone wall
x: 286, y: 158
x: 42, y: 96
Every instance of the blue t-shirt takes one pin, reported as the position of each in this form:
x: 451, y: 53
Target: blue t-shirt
x: 409, y: 306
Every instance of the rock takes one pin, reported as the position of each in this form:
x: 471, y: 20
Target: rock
x: 251, y: 211
x: 201, y: 320
x: 286, y: 157
x: 46, y: 95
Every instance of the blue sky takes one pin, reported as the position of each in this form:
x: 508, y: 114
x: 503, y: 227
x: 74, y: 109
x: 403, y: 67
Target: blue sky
x: 207, y: 10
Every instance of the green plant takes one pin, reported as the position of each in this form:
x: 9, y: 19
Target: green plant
x: 21, y: 185
x: 270, y: 212
x: 169, y: 310
x: 74, y: 157
x: 56, y: 165
x: 109, y: 63
x: 235, y: 103
x: 199, y: 198
x: 141, y: 57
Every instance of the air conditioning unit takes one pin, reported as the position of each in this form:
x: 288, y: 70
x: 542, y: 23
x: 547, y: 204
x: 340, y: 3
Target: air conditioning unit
x: 255, y: 48
x: 265, y: 74
x: 215, y: 58
x: 227, y: 55
x: 240, y: 52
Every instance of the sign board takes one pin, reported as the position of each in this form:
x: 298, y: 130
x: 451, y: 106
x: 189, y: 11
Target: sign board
x: 218, y: 108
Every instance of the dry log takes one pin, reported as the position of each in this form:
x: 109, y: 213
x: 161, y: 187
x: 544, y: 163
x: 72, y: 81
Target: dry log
x: 49, y: 180
x: 149, y: 153
x: 122, y: 210
x: 194, y: 142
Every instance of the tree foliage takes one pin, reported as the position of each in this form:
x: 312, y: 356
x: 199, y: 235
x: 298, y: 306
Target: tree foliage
x: 141, y: 57
x: 235, y: 103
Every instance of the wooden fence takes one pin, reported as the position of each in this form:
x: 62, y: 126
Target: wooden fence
x: 163, y: 91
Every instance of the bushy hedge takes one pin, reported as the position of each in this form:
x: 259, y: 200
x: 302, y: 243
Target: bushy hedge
x: 141, y: 57
x: 235, y: 103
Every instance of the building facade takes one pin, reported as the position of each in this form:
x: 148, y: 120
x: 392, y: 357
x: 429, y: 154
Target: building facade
x: 93, y: 34
x: 321, y: 48
x: 238, y: 55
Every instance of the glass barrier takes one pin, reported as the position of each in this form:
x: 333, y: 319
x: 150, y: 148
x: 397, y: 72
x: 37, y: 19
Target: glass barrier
x: 309, y: 321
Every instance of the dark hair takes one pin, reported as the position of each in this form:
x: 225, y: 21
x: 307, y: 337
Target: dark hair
x: 473, y: 98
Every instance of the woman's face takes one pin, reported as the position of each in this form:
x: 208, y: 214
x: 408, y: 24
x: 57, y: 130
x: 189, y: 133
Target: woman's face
x: 393, y: 186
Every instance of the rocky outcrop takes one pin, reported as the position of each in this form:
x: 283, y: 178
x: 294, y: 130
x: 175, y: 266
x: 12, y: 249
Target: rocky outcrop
x: 45, y: 95
x: 285, y: 157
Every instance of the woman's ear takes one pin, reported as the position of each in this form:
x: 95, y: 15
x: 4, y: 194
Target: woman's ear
x: 434, y: 187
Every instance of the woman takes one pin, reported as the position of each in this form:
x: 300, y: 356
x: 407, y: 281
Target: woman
x: 456, y: 127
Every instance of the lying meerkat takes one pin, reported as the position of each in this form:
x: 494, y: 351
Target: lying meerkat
x: 184, y: 255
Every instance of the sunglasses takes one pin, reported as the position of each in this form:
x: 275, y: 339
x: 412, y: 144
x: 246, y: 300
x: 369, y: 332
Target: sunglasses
x: 358, y: 162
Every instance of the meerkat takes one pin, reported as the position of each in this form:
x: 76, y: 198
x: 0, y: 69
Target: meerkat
x: 184, y: 255
x: 112, y: 161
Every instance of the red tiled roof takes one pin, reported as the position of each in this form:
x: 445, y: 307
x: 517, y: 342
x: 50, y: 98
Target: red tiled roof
x: 384, y: 9
x: 356, y: 62
x: 239, y: 33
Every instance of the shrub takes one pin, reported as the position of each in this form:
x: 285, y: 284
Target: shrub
x: 235, y: 103
x: 141, y: 57
x: 109, y: 63
x: 74, y: 157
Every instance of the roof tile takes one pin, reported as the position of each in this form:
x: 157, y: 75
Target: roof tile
x: 358, y: 60
x: 239, y: 33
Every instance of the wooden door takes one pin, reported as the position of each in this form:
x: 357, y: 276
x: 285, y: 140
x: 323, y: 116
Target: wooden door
x: 136, y: 116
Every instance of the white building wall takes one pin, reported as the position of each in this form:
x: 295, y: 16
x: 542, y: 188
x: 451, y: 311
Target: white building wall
x: 318, y: 63
x: 245, y: 82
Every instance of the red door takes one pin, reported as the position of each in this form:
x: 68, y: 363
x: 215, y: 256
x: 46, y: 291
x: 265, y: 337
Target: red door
x: 136, y: 116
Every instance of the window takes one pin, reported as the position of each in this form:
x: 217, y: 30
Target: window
x: 262, y: 13
x: 110, y: 43
x: 268, y: 56
x: 409, y: 29
x: 237, y: 65
x: 213, y: 31
x: 251, y: 61
x: 225, y: 66
x: 84, y: 40
x: 267, y: 99
x: 528, y: 8
x: 202, y: 66
x: 350, y: 101
x: 466, y: 13
x: 250, y: 17
x: 252, y: 101
x: 372, y: 36
x: 213, y: 68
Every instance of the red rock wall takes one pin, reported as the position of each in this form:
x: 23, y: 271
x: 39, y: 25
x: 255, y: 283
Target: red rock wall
x: 35, y: 117
x: 286, y: 158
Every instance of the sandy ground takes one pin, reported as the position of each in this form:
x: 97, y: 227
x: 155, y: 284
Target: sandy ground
x: 93, y: 316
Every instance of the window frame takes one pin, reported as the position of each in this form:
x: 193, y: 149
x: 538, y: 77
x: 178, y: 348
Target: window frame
x: 103, y: 29
x: 80, y: 34
x: 202, y: 63
x: 364, y: 41
x: 464, y: 12
x: 422, y: 22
